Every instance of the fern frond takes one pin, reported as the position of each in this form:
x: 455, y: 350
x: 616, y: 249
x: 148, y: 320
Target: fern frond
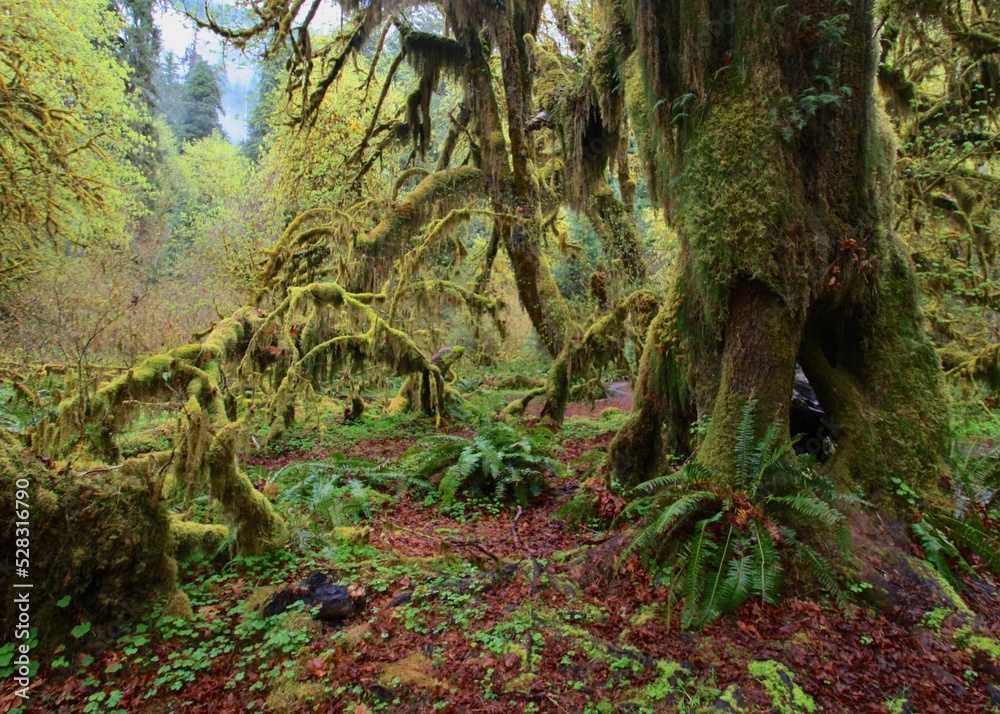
x: 738, y: 585
x: 974, y: 536
x: 937, y: 549
x: 745, y: 433
x: 701, y: 549
x: 811, y: 508
x: 765, y: 454
x: 768, y: 571
x: 819, y: 570
x: 713, y: 604
x: 669, y: 519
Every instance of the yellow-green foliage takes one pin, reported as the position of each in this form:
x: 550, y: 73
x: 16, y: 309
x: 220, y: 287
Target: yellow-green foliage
x: 669, y: 675
x: 68, y: 125
x: 100, y: 537
x: 786, y: 696
x: 967, y: 638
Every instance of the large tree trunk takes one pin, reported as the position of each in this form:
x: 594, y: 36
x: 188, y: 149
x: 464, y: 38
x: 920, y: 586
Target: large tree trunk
x: 782, y: 206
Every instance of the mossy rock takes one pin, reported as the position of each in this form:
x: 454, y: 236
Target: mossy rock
x: 787, y: 697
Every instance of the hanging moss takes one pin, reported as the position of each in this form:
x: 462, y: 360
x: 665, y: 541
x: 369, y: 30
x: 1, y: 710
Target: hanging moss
x: 435, y: 194
x: 431, y: 53
x: 616, y: 227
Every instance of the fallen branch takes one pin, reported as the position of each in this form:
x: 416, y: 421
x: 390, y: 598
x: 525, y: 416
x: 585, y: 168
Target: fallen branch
x: 513, y: 528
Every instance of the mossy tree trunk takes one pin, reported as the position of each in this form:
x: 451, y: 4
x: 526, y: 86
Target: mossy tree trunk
x: 780, y: 168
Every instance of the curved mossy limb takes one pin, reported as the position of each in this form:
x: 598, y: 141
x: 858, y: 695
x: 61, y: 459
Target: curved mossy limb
x: 416, y: 390
x: 435, y: 195
x: 258, y: 527
x: 664, y: 397
x: 379, y: 342
x: 192, y: 373
x: 601, y: 345
x: 189, y: 538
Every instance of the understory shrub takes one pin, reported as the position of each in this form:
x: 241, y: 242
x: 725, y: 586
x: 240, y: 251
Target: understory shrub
x: 502, y: 461
x: 719, y: 540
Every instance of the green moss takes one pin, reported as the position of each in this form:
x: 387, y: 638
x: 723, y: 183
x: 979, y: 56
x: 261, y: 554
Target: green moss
x: 669, y: 680
x: 352, y: 535
x: 295, y: 694
x: 521, y: 683
x: 100, y: 537
x: 436, y: 194
x: 926, y: 570
x: 786, y: 696
x: 411, y: 671
x: 258, y: 526
x: 188, y: 538
x: 736, y: 205
x: 731, y: 698
x: 966, y: 638
x: 179, y: 606
x: 657, y: 426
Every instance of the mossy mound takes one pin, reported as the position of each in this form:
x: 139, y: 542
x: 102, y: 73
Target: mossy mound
x: 99, y: 536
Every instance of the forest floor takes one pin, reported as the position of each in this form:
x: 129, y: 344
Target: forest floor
x: 482, y: 608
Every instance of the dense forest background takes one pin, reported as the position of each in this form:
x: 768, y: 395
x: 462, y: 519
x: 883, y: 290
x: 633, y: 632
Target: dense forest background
x: 368, y: 340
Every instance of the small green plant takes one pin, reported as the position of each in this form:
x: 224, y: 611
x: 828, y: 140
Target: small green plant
x: 500, y: 460
x: 947, y: 536
x: 722, y: 540
x: 860, y: 588
x: 905, y: 491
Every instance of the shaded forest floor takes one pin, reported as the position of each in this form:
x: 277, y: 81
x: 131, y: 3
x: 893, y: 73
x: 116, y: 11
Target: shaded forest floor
x: 478, y: 609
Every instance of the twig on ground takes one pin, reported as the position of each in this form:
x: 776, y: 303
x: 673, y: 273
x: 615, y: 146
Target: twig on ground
x: 513, y: 527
